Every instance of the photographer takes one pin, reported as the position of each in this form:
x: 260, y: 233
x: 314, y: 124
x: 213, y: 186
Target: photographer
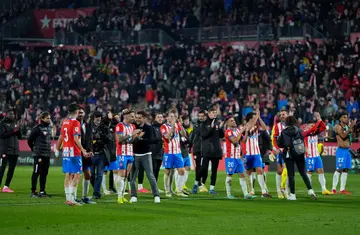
x: 39, y: 142
x: 9, y: 147
x: 292, y: 140
x: 112, y: 150
x: 100, y: 141
x: 202, y: 146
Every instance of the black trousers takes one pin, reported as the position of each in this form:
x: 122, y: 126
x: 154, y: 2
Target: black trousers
x: 198, y: 168
x: 111, y: 180
x: 12, y: 160
x: 214, y: 169
x: 41, y: 168
x: 290, y: 166
x: 156, y: 167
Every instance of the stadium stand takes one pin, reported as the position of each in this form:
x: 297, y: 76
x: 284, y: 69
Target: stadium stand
x: 304, y: 75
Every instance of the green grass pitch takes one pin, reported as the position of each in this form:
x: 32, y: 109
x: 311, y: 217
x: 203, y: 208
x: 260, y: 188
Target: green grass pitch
x: 199, y: 214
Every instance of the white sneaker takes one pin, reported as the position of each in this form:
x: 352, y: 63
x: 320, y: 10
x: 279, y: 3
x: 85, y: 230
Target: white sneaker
x: 157, y: 199
x: 161, y: 191
x: 107, y: 192
x: 291, y: 197
x: 133, y: 200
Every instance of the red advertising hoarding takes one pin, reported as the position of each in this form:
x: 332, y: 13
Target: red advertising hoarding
x: 47, y: 20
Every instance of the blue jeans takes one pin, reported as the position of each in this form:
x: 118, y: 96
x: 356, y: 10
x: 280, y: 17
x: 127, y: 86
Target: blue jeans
x: 97, y: 172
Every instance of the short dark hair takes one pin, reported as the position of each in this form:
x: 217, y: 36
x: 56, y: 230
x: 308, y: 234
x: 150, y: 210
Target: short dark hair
x: 290, y: 121
x: 249, y: 116
x: 44, y: 115
x: 341, y: 114
x: 142, y: 113
x: 73, y: 107
x: 184, y: 117
x: 203, y: 111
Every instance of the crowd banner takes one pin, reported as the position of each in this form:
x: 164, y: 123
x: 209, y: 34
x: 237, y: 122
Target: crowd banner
x: 47, y: 20
x: 328, y: 157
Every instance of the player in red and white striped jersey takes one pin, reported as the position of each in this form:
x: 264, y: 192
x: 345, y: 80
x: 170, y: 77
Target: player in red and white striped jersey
x: 313, y: 159
x: 171, y: 132
x: 278, y: 128
x: 252, y: 156
x: 70, y: 144
x: 233, y: 160
x: 125, y: 135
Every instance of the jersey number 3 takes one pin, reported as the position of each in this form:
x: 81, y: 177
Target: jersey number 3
x: 66, y: 137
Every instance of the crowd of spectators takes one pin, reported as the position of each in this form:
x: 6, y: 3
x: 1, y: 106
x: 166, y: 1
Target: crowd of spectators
x: 303, y: 77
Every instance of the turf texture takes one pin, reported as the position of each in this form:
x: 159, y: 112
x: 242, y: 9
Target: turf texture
x: 199, y: 214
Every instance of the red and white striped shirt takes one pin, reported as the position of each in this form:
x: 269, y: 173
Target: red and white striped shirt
x: 124, y: 149
x: 252, y: 143
x: 311, y: 143
x: 278, y: 128
x: 172, y: 145
x: 311, y: 139
x: 232, y: 151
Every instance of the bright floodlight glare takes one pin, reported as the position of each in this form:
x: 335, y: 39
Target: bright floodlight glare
x: 49, y: 51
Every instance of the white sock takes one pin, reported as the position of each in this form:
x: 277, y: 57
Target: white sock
x: 177, y: 183
x: 212, y: 187
x: 322, y: 181
x: 116, y: 183
x: 67, y: 193
x: 265, y: 180
x: 129, y: 185
x: 166, y: 183
x: 103, y: 183
x: 5, y: 187
x: 309, y: 176
x: 278, y: 183
x: 140, y: 186
x: 75, y: 192
x: 335, y: 180
x: 71, y: 193
x: 186, y: 176
x: 196, y: 183
x: 228, y: 185
x: 251, y: 183
x: 343, y: 180
x: 262, y: 183
x: 121, y: 182
x: 85, y: 189
x: 243, y: 186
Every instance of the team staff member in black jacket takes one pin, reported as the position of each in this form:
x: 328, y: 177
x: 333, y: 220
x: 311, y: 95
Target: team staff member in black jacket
x: 202, y: 146
x: 217, y: 133
x: 157, y: 150
x: 86, y: 138
x: 142, y: 155
x: 40, y: 143
x: 9, y: 147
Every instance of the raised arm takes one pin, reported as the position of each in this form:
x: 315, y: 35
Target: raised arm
x: 316, y: 129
